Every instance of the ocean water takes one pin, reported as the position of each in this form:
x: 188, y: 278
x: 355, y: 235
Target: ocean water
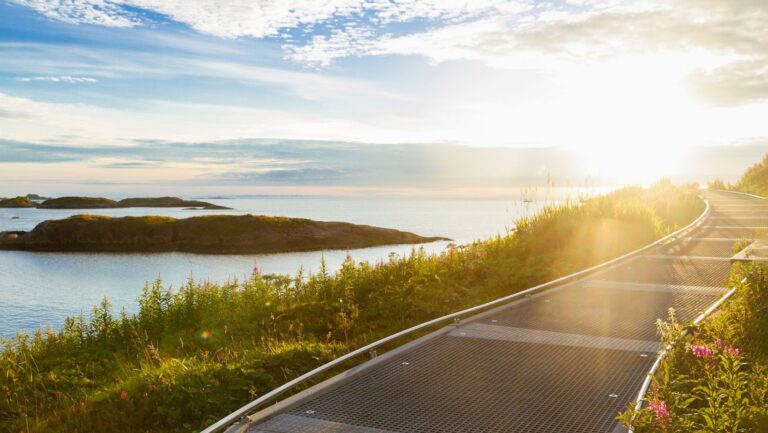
x: 41, y: 289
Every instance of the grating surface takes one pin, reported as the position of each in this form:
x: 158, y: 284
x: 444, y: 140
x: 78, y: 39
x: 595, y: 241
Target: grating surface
x: 602, y: 311
x: 453, y: 385
x: 527, y: 335
x: 662, y: 271
x: 700, y: 248
x: 287, y: 423
x: 720, y: 232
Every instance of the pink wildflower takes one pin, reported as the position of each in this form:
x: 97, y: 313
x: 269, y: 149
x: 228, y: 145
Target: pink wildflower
x: 256, y: 270
x: 731, y: 351
x: 718, y: 343
x: 702, y: 352
x: 661, y: 411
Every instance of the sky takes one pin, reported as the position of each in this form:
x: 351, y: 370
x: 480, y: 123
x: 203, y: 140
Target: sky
x: 430, y: 97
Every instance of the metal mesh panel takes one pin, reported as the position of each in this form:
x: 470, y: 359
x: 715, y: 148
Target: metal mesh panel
x: 700, y: 248
x: 730, y: 233
x: 737, y: 221
x: 662, y: 271
x: 602, y: 311
x: 470, y: 385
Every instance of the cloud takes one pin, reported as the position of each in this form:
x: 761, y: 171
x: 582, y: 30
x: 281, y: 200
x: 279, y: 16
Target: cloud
x: 98, y: 12
x: 59, y: 79
x: 271, y: 165
x: 259, y: 18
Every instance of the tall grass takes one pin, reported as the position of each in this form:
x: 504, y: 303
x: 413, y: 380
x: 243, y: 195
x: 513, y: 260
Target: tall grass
x: 190, y: 356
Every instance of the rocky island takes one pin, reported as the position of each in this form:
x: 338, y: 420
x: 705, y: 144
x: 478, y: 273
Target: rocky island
x: 214, y: 234
x: 105, y: 203
x: 16, y: 202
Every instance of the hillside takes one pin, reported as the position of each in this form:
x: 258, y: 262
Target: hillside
x: 753, y: 181
x: 207, y: 234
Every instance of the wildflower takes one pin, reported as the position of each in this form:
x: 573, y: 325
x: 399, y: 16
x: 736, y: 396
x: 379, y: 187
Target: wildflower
x: 702, y: 352
x: 661, y: 411
x: 123, y: 395
x: 731, y: 351
x: 718, y: 343
x: 256, y: 270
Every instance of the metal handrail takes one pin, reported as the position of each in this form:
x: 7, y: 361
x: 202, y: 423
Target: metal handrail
x: 239, y: 413
x: 663, y: 353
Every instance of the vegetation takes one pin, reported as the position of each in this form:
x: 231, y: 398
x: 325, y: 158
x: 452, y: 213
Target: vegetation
x: 716, y: 380
x: 205, y: 234
x: 78, y: 203
x: 16, y: 202
x: 192, y: 355
x: 167, y: 202
x: 753, y: 181
x: 105, y: 203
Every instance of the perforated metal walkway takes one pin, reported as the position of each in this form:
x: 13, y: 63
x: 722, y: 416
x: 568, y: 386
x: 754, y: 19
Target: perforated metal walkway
x: 568, y: 359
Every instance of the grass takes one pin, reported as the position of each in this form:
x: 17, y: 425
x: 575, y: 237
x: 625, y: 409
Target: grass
x: 716, y: 380
x: 192, y: 355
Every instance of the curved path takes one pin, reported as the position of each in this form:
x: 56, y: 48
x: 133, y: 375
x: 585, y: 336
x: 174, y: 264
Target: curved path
x: 568, y: 359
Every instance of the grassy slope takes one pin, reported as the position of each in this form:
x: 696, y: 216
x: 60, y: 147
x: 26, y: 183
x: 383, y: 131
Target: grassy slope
x: 191, y: 356
x: 204, y: 234
x: 721, y: 392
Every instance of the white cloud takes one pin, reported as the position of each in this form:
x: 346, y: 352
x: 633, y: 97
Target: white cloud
x: 59, y: 79
x: 261, y: 18
x: 98, y: 12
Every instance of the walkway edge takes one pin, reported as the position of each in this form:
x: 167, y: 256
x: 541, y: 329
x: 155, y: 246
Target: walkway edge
x: 240, y: 413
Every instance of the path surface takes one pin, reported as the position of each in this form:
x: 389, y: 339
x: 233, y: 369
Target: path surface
x: 565, y: 360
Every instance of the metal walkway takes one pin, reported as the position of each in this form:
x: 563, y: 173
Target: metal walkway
x: 567, y: 359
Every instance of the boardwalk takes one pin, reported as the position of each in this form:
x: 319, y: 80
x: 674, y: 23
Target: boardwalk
x: 568, y: 359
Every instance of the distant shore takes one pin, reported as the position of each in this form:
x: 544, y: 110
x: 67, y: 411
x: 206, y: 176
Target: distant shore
x: 30, y: 201
x: 214, y: 234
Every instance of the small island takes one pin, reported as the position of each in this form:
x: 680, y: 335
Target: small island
x: 105, y: 203
x: 16, y: 202
x: 214, y: 234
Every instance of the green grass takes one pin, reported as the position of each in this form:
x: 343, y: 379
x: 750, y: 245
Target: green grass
x: 192, y: 355
x: 717, y: 391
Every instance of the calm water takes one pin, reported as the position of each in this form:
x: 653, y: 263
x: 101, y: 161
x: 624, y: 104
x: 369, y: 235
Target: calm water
x: 39, y: 289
